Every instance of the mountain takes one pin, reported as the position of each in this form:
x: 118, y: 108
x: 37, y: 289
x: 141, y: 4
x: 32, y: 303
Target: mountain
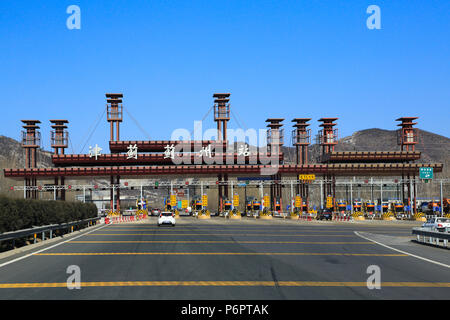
x: 433, y: 147
x: 12, y: 155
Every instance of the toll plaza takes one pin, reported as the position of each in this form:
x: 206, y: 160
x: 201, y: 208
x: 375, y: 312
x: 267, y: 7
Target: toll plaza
x: 234, y: 180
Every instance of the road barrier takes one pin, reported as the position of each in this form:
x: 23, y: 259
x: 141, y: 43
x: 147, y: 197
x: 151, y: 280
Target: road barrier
x: 427, y: 236
x: 13, y: 235
x: 340, y: 217
x: 306, y: 217
x: 122, y: 219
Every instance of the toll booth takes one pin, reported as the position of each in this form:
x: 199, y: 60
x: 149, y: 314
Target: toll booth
x: 384, y: 207
x: 277, y: 205
x: 357, y: 206
x: 256, y: 205
x: 197, y: 203
x: 170, y: 204
x: 369, y: 209
x: 167, y: 205
x: 227, y: 205
x: 398, y: 208
x: 434, y: 206
x: 304, y: 207
x: 342, y: 206
x: 249, y: 206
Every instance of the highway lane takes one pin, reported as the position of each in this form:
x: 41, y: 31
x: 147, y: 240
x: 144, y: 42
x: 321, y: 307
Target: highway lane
x: 222, y: 259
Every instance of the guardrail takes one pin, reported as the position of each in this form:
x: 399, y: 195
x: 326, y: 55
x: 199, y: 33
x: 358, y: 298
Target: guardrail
x: 432, y: 237
x: 13, y: 235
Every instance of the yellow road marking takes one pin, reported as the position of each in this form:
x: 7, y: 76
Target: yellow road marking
x: 223, y: 253
x: 221, y: 234
x: 246, y: 230
x: 253, y: 242
x: 225, y: 284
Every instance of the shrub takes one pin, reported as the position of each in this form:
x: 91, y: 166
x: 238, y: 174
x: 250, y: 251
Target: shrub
x: 16, y: 214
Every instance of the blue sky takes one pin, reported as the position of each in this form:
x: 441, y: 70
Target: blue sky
x: 282, y: 59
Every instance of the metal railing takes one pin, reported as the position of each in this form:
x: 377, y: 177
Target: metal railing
x: 301, y: 137
x: 13, y: 235
x: 275, y: 137
x: 114, y: 112
x: 31, y: 140
x: 60, y: 140
x: 427, y: 236
x: 221, y: 112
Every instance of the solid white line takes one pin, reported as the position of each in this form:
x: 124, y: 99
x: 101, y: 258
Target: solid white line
x: 407, y: 253
x: 55, y: 245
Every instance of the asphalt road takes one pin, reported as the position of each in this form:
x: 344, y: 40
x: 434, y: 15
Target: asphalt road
x: 233, y: 260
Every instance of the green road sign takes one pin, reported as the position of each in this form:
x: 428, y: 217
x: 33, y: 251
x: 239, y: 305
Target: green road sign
x: 426, y: 173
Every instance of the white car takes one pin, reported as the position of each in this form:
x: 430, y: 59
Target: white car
x: 166, y: 217
x: 437, y: 224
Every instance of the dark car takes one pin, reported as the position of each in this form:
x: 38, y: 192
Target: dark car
x: 326, y: 214
x: 155, y: 212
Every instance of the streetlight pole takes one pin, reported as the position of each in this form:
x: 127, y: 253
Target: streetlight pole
x: 114, y: 200
x: 442, y: 202
x: 321, y: 194
x: 232, y: 195
x: 201, y: 193
x: 410, y: 197
x: 292, y: 196
x: 381, y: 196
x: 351, y: 198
